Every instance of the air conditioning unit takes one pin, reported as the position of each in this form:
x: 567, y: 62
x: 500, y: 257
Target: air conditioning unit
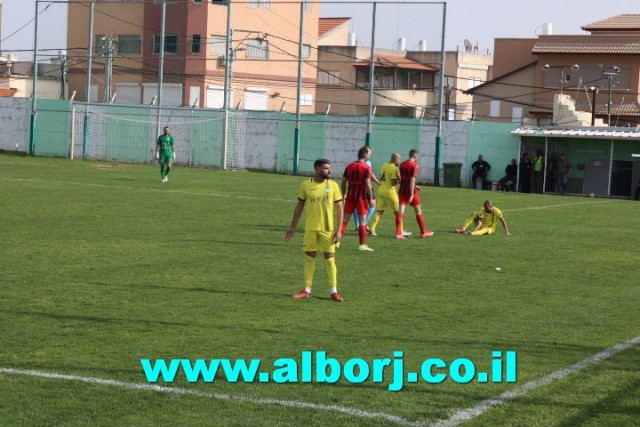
x: 222, y: 61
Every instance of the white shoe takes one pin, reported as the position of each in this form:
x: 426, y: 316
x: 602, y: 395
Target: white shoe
x: 406, y: 233
x: 365, y: 248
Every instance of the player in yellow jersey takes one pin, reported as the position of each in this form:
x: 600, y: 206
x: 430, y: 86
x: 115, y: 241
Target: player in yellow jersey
x: 319, y: 195
x: 486, y: 221
x: 388, y: 195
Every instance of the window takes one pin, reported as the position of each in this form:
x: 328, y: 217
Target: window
x: 170, y: 43
x: 473, y: 82
x: 306, y: 50
x: 260, y: 4
x: 195, y: 43
x: 516, y: 115
x: 306, y: 99
x: 99, y: 45
x: 129, y: 44
x: 495, y: 108
x: 331, y: 78
x: 256, y: 99
x: 217, y: 45
x: 257, y: 49
x: 308, y: 4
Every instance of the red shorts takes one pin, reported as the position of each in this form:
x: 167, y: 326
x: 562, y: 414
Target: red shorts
x: 360, y: 206
x: 404, y: 198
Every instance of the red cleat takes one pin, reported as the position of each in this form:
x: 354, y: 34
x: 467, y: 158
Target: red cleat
x: 460, y: 230
x: 302, y: 295
x: 336, y: 297
x: 427, y: 234
x: 400, y: 237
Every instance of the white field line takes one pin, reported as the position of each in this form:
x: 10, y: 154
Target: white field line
x: 455, y: 420
x: 145, y: 190
x: 218, y: 396
x: 474, y: 412
x: 236, y: 196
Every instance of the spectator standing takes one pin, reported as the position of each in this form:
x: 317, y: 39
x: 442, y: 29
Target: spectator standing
x: 564, y: 170
x: 526, y: 169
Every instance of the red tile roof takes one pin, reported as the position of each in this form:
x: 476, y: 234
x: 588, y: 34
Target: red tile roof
x: 327, y: 24
x: 625, y: 22
x: 8, y: 92
x: 628, y: 47
x: 388, y: 61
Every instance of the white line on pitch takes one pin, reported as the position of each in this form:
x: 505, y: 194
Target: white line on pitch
x: 120, y: 187
x: 474, y: 412
x: 455, y: 420
x: 219, y: 396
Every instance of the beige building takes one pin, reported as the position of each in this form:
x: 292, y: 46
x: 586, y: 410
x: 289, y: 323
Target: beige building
x: 406, y: 83
x: 600, y: 72
x: 126, y: 53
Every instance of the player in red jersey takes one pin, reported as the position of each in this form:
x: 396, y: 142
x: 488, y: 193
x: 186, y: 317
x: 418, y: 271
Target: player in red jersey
x: 409, y: 192
x: 356, y: 187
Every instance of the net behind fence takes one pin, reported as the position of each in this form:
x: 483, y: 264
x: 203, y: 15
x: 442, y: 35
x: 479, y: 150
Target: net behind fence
x: 129, y: 133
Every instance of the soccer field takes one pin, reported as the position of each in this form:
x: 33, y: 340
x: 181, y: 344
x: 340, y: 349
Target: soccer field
x: 102, y: 266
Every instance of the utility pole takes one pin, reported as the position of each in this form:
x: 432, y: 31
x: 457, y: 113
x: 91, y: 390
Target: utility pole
x: 594, y: 91
x: 108, y: 49
x: 62, y: 55
x: 609, y: 73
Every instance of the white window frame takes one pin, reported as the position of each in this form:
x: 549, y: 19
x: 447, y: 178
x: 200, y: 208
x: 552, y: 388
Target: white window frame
x: 494, y: 109
x: 256, y: 98
x: 306, y: 99
x: 258, y: 49
x: 260, y: 4
x: 329, y: 78
x: 134, y: 38
x: 517, y: 114
x: 217, y: 45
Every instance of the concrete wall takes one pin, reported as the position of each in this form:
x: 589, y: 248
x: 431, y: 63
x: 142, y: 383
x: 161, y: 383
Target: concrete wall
x: 14, y: 124
x: 270, y: 139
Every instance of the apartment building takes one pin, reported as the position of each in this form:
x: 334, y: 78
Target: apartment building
x: 406, y: 83
x: 599, y: 71
x: 126, y: 56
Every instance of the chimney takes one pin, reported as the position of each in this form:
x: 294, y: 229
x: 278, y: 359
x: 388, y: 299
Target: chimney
x: 351, y: 39
x: 547, y: 29
x: 422, y: 45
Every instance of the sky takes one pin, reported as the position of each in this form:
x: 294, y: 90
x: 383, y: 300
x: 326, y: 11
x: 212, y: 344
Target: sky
x: 480, y: 22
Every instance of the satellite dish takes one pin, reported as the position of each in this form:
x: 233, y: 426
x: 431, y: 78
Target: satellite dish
x: 467, y: 45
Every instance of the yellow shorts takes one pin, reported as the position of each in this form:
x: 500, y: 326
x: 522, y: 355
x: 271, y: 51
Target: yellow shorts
x: 319, y: 241
x: 388, y: 200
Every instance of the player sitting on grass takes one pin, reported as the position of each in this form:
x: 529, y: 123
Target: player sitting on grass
x: 486, y: 221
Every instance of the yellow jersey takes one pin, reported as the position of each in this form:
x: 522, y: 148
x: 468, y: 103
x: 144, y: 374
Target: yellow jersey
x: 319, y: 199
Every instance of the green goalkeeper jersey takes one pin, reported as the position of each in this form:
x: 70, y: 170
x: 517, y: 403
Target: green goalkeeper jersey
x: 165, y: 143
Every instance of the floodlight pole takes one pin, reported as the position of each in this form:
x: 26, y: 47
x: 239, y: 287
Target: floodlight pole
x: 32, y: 126
x: 296, y: 137
x: 163, y: 20
x: 228, y: 49
x: 90, y: 50
x: 367, y: 141
x: 436, y: 160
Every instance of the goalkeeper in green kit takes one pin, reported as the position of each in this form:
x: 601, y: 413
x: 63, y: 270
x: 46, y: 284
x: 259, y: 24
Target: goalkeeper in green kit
x: 165, y: 153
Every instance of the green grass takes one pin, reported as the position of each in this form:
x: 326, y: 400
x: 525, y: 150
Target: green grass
x: 102, y: 265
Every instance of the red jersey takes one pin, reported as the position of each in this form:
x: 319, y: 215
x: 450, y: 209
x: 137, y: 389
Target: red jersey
x: 357, y: 174
x: 408, y: 169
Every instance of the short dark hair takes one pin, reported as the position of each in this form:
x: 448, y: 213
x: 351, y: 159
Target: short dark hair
x: 413, y: 152
x: 321, y: 162
x: 362, y: 153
